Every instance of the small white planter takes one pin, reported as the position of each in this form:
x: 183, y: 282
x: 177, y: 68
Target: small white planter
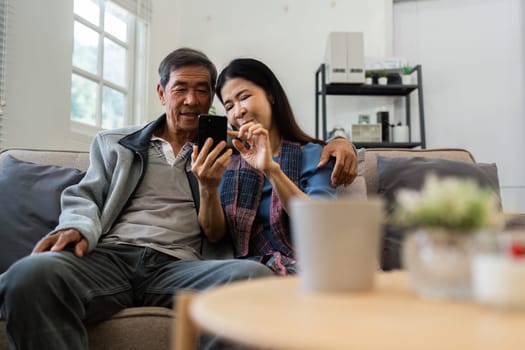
x: 368, y: 81
x: 438, y: 262
x: 406, y: 79
x: 382, y: 81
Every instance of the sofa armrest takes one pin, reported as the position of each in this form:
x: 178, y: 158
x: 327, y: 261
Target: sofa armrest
x: 70, y: 159
x: 370, y: 172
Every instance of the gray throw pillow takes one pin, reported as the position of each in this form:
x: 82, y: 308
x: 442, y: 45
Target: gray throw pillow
x: 410, y: 172
x: 396, y: 173
x: 29, y: 204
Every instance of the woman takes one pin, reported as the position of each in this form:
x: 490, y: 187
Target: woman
x: 276, y: 160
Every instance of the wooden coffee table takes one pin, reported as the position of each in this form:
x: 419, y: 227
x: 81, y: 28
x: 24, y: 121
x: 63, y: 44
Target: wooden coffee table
x: 275, y: 313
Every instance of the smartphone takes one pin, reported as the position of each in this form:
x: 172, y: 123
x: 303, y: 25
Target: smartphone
x: 213, y: 126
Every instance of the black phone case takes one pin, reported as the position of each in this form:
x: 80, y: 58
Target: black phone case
x: 213, y: 126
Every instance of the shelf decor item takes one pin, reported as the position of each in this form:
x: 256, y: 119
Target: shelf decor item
x: 382, y: 77
x: 406, y: 75
x: 366, y: 132
x: 363, y: 119
x: 444, y: 218
x: 369, y: 77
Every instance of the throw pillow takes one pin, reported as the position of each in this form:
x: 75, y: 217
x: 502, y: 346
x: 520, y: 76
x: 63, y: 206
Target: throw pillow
x: 30, y: 204
x: 396, y: 173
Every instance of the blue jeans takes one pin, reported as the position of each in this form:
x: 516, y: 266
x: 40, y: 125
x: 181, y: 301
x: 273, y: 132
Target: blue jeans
x: 48, y: 298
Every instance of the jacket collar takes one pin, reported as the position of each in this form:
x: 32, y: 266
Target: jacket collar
x: 139, y: 140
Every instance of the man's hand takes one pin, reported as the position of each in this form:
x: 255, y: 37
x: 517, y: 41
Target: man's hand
x: 60, y: 239
x: 345, y: 169
x: 209, y: 165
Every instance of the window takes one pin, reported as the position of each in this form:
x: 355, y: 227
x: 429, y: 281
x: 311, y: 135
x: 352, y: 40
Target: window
x: 108, y: 65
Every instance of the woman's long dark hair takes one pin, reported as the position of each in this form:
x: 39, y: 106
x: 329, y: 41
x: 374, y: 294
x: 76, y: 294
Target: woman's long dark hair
x: 259, y: 74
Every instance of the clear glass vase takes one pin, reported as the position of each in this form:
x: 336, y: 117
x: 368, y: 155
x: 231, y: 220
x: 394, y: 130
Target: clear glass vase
x: 438, y: 262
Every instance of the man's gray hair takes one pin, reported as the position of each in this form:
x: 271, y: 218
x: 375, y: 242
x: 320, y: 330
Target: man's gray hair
x: 185, y: 57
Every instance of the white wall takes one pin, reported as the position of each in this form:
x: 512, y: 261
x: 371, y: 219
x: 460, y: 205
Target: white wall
x: 472, y: 54
x: 289, y: 36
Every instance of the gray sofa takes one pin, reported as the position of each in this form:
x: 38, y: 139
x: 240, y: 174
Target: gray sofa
x: 133, y: 328
x: 151, y: 327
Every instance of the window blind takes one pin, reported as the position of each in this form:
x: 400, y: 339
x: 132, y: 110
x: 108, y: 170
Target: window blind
x: 3, y: 52
x: 140, y: 8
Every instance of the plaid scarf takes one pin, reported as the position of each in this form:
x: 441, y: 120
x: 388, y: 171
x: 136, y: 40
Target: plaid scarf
x: 240, y: 197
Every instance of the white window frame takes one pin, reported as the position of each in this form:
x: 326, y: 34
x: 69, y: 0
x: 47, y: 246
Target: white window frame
x: 135, y: 73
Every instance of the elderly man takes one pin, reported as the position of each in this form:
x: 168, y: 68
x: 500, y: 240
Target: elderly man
x: 132, y: 232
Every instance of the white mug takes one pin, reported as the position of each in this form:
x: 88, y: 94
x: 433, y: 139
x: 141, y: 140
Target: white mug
x: 337, y: 242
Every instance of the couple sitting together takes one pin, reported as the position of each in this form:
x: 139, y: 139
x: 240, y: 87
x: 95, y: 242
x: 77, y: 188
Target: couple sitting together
x: 132, y: 232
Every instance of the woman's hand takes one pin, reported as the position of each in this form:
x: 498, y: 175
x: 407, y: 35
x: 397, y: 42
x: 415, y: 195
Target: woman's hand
x: 259, y: 151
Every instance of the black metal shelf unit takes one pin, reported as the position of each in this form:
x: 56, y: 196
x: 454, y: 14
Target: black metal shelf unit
x: 322, y: 89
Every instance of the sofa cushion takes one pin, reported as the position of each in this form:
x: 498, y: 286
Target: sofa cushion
x: 30, y: 202
x: 146, y: 327
x: 396, y: 173
x: 134, y: 328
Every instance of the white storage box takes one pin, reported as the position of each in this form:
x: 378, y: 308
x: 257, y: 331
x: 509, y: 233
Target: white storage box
x: 366, y: 132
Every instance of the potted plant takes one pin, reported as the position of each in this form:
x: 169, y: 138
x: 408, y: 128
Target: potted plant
x: 443, y: 219
x: 406, y: 74
x: 369, y: 77
x: 382, y: 77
